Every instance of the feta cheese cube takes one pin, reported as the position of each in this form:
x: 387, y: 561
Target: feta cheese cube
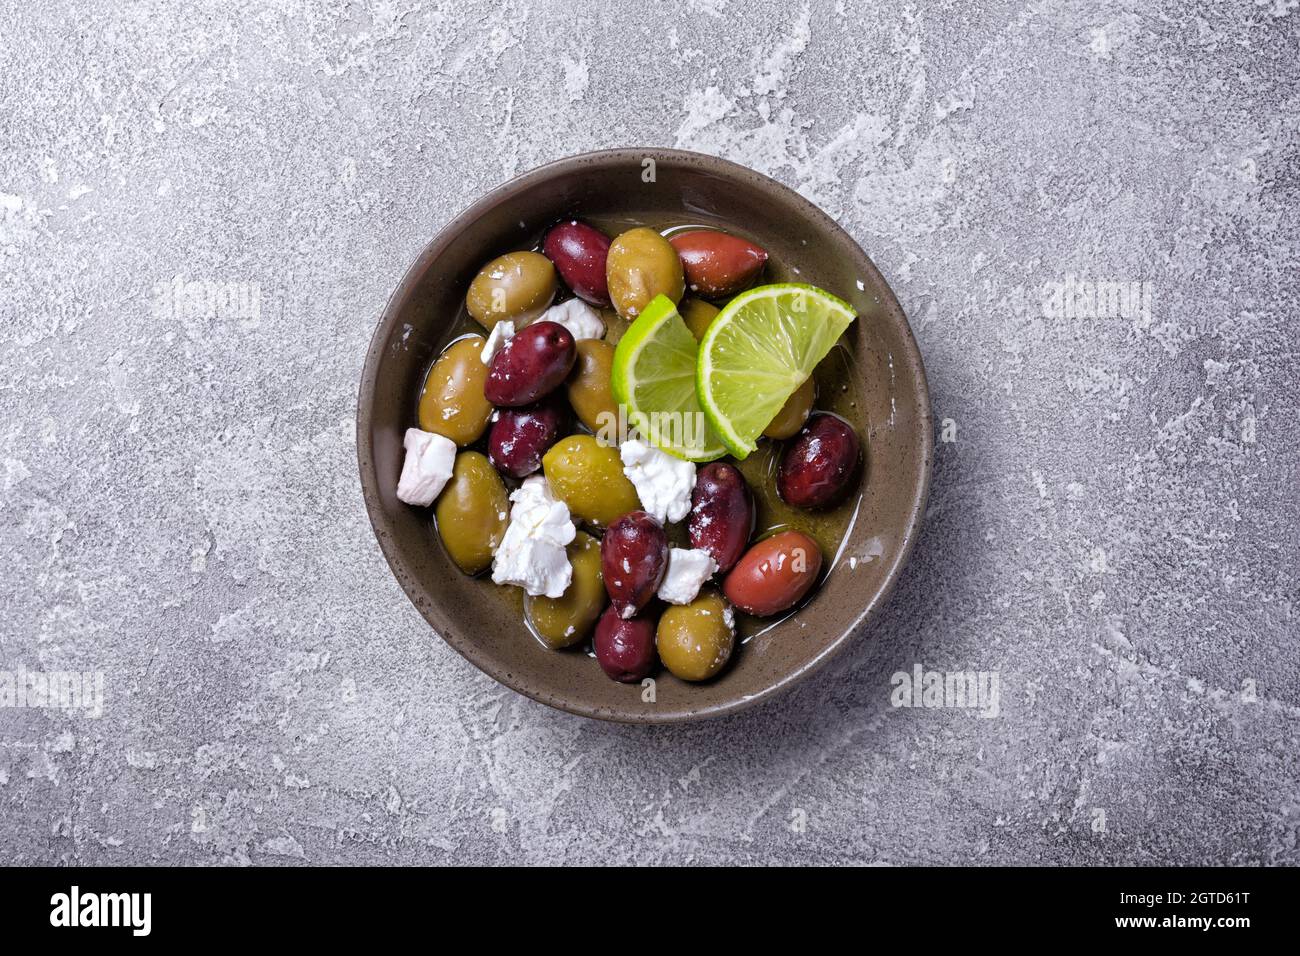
x: 688, y: 569
x: 426, y: 468
x: 582, y: 321
x: 501, y: 333
x: 662, y: 482
x: 531, y: 554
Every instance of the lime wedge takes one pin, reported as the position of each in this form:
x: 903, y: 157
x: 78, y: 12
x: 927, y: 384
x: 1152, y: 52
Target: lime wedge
x: 653, y: 376
x: 762, y: 346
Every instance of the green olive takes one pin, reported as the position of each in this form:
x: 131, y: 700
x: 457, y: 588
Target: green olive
x: 589, y: 391
x: 564, y: 621
x: 641, y: 265
x: 698, y: 315
x: 517, y: 286
x: 787, y: 422
x: 472, y: 512
x: 452, y: 402
x: 588, y: 477
x: 694, y: 640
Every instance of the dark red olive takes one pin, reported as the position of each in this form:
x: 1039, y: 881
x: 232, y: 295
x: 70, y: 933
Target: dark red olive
x: 819, y: 464
x: 530, y: 365
x: 717, y: 264
x: 633, y: 558
x: 579, y: 252
x: 520, y: 437
x: 775, y: 574
x: 625, y: 647
x: 722, y: 514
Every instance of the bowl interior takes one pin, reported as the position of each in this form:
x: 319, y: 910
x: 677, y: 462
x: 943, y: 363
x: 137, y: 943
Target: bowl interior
x: 653, y: 186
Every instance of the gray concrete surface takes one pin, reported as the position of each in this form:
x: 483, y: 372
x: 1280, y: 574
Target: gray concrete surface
x: 1113, y: 530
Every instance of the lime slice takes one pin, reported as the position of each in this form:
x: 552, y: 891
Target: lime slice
x: 653, y: 376
x: 762, y: 346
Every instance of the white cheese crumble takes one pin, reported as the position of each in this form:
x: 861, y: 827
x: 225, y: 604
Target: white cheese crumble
x: 501, y: 333
x: 582, y: 321
x: 426, y: 468
x: 531, y: 554
x: 662, y: 482
x: 688, y: 569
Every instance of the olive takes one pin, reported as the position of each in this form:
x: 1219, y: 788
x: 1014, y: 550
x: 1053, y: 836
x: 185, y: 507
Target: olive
x: 717, y: 264
x: 579, y: 252
x: 589, y: 385
x: 695, y: 640
x: 774, y: 574
x: 794, y: 412
x: 818, y: 465
x: 641, y: 265
x: 566, y: 620
x: 517, y: 286
x: 588, y: 477
x: 625, y: 647
x: 722, y: 514
x: 520, y: 437
x: 532, y: 364
x: 452, y: 403
x: 633, y: 557
x: 472, y: 512
x: 698, y: 316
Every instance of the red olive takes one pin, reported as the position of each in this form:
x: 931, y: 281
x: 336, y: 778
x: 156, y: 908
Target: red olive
x: 819, y: 463
x: 530, y: 365
x: 579, y: 252
x: 717, y: 264
x: 722, y: 514
x: 520, y: 437
x: 774, y: 574
x: 633, y: 558
x: 625, y: 647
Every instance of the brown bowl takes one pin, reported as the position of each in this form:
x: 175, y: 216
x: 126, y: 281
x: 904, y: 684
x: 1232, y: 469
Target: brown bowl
x: 893, y: 416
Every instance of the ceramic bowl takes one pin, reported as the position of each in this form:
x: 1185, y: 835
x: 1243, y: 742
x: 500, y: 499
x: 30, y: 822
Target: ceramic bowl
x: 653, y: 186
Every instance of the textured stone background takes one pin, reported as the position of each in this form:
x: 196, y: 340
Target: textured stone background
x: 1113, y: 530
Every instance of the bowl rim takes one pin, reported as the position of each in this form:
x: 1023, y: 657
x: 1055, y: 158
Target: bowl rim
x: 382, y: 525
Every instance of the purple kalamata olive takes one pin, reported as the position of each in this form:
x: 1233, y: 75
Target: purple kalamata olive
x: 520, y: 437
x: 717, y: 264
x: 722, y: 514
x: 633, y: 558
x: 579, y: 252
x: 819, y: 464
x: 531, y: 365
x: 625, y: 647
